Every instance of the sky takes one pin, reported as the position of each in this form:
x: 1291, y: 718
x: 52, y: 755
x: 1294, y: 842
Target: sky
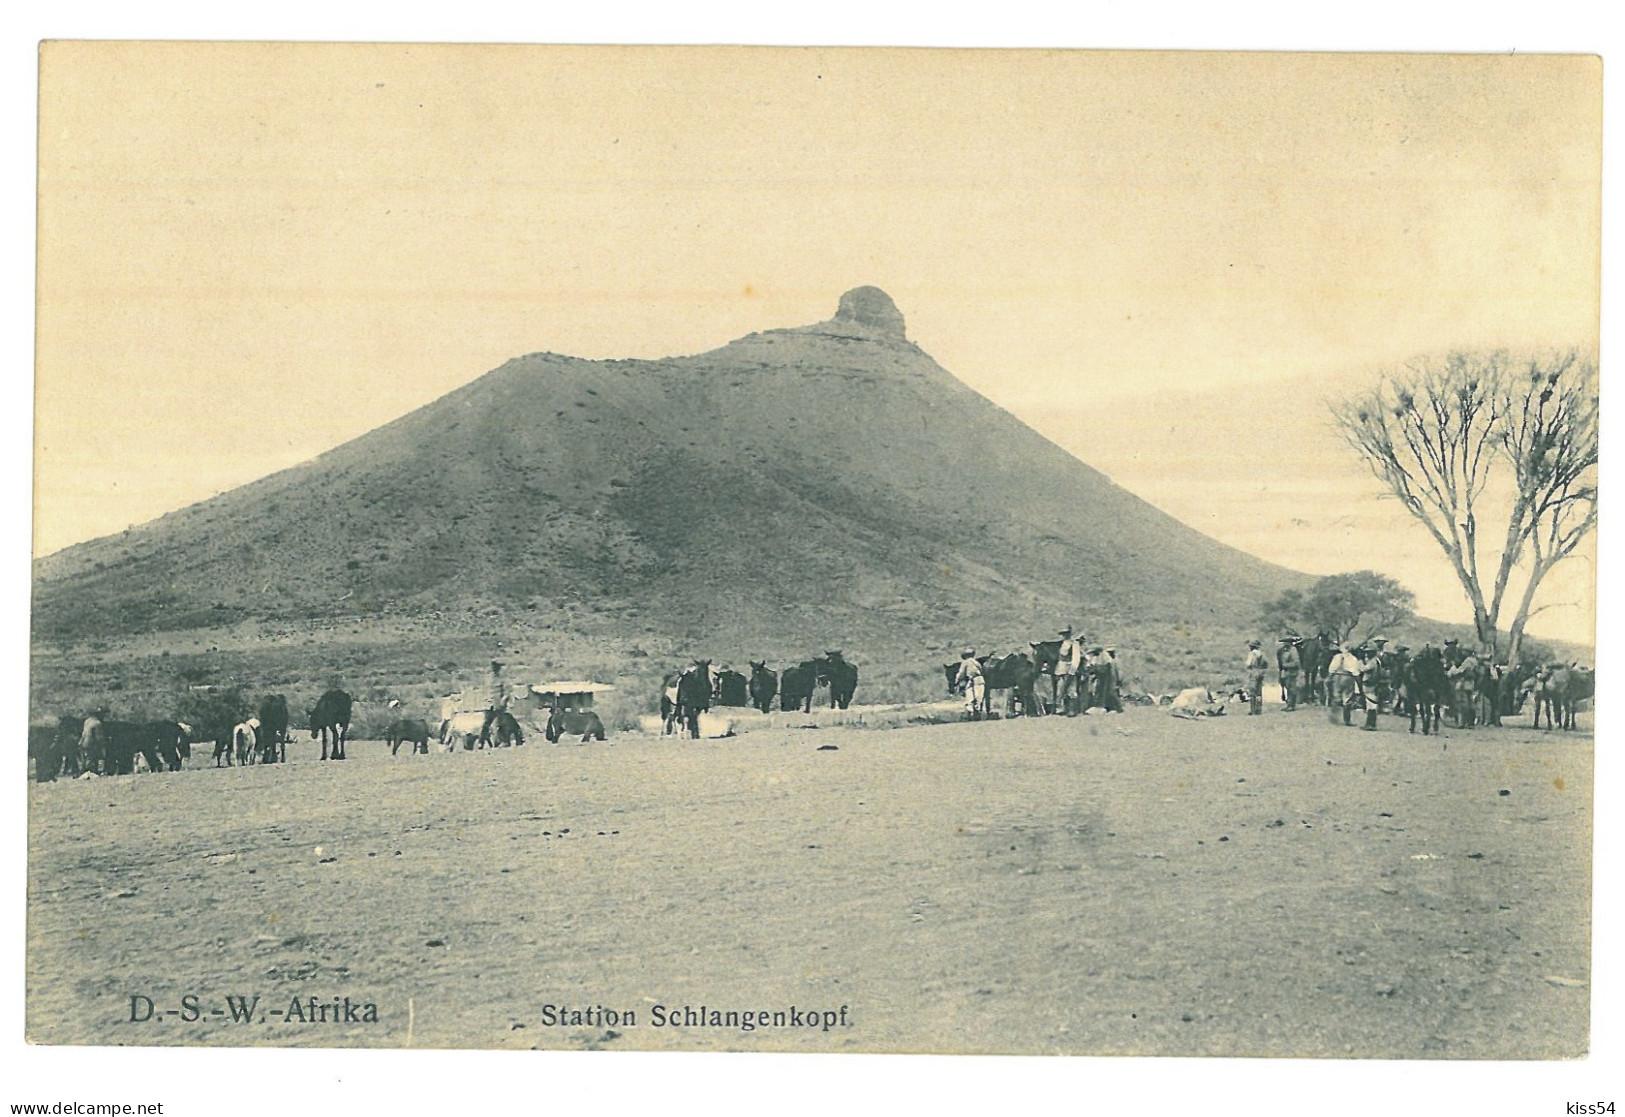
x: 250, y: 253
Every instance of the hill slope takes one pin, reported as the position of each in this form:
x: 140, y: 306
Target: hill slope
x: 828, y: 484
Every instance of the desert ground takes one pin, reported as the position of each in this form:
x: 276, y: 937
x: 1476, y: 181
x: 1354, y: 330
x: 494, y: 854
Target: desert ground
x: 1131, y: 884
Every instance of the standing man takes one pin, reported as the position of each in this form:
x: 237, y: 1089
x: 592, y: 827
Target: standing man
x: 1111, y: 681
x: 1068, y: 665
x: 496, y: 700
x: 1288, y: 663
x: 1342, y: 683
x: 970, y: 683
x: 1255, y: 666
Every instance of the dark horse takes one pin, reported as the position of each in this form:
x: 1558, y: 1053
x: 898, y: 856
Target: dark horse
x: 415, y: 730
x: 504, y: 732
x: 796, y: 686
x: 694, y: 695
x: 1046, y: 661
x: 841, y: 676
x: 733, y: 689
x: 273, y: 736
x: 1425, y: 688
x: 1314, y: 656
x: 585, y: 722
x: 1017, y: 674
x: 764, y: 686
x: 331, y: 719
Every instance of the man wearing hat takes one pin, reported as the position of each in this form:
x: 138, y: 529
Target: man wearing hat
x: 1342, y: 683
x: 1068, y: 665
x: 1254, y: 667
x: 1288, y: 663
x: 496, y: 700
x: 970, y: 683
x: 1453, y: 653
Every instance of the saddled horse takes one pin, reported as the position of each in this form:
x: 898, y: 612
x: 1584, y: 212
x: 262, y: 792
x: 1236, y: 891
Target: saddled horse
x: 1047, y: 663
x: 841, y: 676
x: 763, y: 686
x: 585, y: 722
x: 1016, y: 674
x: 330, y: 721
x: 1425, y: 689
x: 796, y: 686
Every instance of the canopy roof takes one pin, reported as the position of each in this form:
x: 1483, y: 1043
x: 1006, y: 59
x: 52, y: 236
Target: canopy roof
x: 571, y: 686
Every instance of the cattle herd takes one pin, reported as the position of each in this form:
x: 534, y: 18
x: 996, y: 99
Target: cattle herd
x: 688, y: 693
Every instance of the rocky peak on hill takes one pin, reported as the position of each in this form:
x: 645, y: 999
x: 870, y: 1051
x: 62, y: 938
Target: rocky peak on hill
x: 871, y: 307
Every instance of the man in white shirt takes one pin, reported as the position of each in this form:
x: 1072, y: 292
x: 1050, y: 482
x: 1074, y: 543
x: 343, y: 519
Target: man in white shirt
x: 970, y: 683
x: 1342, y: 683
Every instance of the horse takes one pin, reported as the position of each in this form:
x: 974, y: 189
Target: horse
x: 169, y: 740
x: 1582, y: 687
x: 669, y: 710
x: 330, y: 719
x: 69, y: 730
x: 1315, y: 656
x: 463, y: 726
x: 694, y: 695
x: 245, y: 736
x: 415, y: 730
x: 273, y: 735
x: 44, y: 752
x: 504, y: 731
x: 796, y: 686
x: 1559, y: 691
x: 124, y: 740
x: 763, y: 686
x: 1014, y: 673
x: 841, y: 676
x: 585, y: 722
x: 1425, y: 689
x: 732, y: 689
x: 1047, y: 661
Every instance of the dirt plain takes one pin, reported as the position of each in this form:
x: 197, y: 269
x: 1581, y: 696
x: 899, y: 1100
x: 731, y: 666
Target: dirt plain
x: 1135, y: 884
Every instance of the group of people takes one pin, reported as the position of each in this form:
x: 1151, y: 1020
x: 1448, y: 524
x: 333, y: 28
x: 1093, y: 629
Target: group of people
x: 1083, y: 677
x: 1379, y: 678
x: 1344, y: 675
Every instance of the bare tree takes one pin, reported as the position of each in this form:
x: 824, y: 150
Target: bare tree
x: 1475, y: 432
